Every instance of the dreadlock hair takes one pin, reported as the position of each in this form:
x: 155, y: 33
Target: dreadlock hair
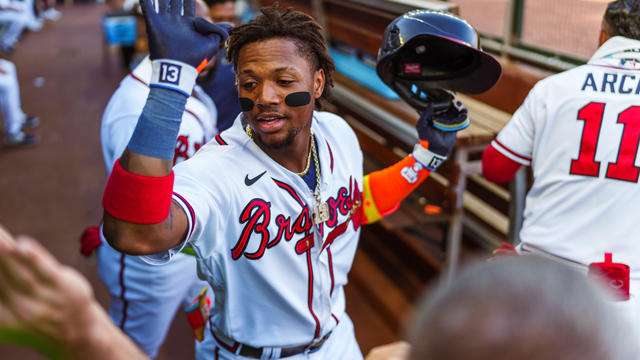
x: 623, y: 18
x: 299, y: 27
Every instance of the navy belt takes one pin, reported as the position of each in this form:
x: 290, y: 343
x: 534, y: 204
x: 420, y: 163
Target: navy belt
x: 256, y: 353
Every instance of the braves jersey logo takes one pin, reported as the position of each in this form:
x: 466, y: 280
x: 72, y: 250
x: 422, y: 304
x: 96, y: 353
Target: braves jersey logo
x: 256, y: 217
x: 182, y: 148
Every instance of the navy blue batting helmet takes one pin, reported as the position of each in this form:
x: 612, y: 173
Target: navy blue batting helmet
x: 433, y: 50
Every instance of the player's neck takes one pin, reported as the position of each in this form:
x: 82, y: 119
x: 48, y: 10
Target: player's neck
x: 293, y: 157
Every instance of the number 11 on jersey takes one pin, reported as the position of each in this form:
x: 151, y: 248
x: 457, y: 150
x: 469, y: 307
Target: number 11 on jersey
x: 623, y: 168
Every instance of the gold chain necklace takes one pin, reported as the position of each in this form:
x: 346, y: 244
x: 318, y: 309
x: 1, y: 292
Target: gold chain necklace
x: 312, y: 150
x: 302, y: 173
x: 320, y: 209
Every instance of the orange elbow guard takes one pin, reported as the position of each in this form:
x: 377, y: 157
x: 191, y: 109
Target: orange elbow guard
x: 385, y: 189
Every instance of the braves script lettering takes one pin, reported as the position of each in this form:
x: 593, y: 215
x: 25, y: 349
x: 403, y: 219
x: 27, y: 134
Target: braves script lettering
x: 182, y: 148
x: 257, y: 217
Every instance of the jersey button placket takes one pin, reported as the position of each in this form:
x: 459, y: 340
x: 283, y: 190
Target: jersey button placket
x: 325, y: 278
x: 319, y: 281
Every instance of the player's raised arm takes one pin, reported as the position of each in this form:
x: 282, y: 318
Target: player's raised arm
x: 421, y: 59
x: 139, y: 217
x: 385, y: 189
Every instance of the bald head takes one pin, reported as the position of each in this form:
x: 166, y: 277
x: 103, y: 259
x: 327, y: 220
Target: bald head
x: 525, y: 308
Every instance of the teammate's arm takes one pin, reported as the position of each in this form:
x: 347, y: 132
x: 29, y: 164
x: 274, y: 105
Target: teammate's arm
x: 140, y: 217
x: 513, y: 146
x: 383, y: 190
x: 496, y: 167
x: 145, y: 239
x: 51, y: 308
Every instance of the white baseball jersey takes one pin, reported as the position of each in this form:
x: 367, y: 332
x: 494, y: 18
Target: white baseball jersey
x: 579, y: 130
x: 144, y: 297
x: 12, y: 113
x: 278, y: 279
x: 13, y: 22
x: 125, y: 106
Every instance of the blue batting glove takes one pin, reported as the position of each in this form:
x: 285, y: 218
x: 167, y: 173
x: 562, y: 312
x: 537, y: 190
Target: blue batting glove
x: 179, y: 37
x: 179, y: 45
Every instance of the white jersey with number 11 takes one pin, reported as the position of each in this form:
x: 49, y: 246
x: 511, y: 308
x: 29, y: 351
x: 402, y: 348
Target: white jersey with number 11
x: 579, y: 130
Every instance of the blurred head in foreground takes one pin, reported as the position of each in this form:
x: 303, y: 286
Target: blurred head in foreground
x: 520, y: 307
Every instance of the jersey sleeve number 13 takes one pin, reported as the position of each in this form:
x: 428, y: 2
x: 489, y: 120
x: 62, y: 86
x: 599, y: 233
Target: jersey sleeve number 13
x: 624, y: 168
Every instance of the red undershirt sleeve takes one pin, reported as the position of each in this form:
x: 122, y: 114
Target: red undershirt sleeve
x: 496, y: 167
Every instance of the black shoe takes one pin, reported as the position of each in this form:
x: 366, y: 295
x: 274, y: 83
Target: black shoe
x: 20, y: 139
x: 31, y: 122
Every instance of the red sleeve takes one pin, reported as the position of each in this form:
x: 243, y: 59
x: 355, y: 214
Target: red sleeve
x: 497, y: 167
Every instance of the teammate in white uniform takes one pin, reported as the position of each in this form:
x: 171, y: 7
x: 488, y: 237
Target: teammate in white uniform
x: 144, y: 298
x: 579, y: 132
x: 14, y: 118
x: 16, y: 15
x: 272, y: 209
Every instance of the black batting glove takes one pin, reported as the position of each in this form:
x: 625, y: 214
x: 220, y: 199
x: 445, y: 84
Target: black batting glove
x: 436, y: 143
x: 440, y: 128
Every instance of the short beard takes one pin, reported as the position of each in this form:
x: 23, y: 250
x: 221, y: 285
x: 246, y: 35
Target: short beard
x: 278, y: 145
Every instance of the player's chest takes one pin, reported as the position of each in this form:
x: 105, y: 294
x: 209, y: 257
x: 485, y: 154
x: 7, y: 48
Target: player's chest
x: 276, y: 215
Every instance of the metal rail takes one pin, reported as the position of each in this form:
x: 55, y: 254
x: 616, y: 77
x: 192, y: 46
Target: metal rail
x: 390, y: 123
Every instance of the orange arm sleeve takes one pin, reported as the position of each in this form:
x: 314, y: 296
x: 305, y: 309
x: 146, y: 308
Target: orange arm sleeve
x: 385, y: 189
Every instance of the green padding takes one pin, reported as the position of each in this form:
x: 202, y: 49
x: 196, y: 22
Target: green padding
x: 12, y: 337
x: 188, y: 251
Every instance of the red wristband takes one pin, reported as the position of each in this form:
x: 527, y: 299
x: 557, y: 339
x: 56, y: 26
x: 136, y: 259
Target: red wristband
x: 136, y: 198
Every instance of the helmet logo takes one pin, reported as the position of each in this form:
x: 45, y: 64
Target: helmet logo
x: 412, y: 68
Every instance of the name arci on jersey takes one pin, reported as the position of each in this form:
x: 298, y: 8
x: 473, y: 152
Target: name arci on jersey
x: 612, y: 83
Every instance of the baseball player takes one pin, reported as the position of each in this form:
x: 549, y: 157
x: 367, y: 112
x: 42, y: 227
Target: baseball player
x: 222, y: 89
x: 14, y: 118
x: 222, y: 11
x: 141, y: 308
x: 273, y: 207
x: 16, y: 15
x: 144, y: 297
x: 578, y: 130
